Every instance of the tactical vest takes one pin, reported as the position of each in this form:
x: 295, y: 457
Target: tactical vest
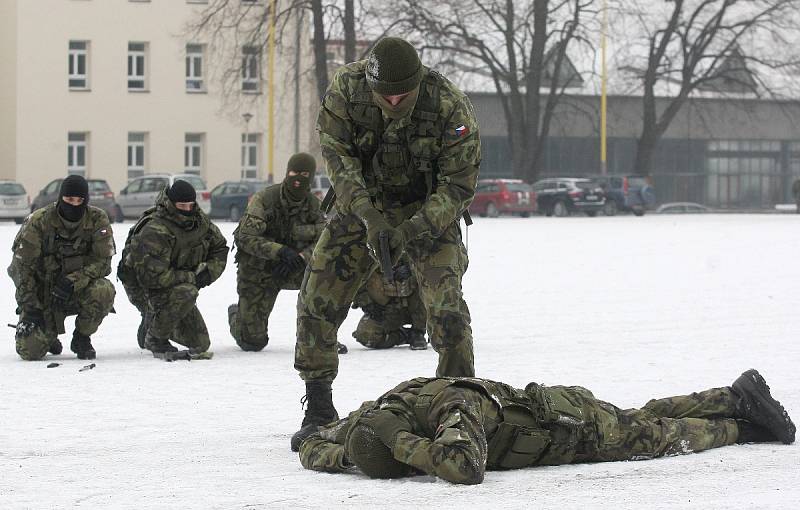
x: 399, y: 170
x: 538, y: 426
x: 189, y: 249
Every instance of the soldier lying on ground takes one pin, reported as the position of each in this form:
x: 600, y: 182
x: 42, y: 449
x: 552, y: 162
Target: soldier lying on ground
x: 456, y: 428
x: 62, y: 255
x: 388, y: 307
x: 172, y: 252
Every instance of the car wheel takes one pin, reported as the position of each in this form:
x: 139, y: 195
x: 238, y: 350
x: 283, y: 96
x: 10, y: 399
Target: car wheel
x: 491, y: 210
x: 525, y: 214
x: 19, y: 221
x: 610, y: 209
x: 235, y: 214
x: 118, y: 216
x: 638, y: 211
x: 591, y: 214
x: 560, y: 209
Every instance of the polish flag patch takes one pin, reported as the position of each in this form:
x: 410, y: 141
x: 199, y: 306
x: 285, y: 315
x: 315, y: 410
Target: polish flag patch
x: 462, y: 130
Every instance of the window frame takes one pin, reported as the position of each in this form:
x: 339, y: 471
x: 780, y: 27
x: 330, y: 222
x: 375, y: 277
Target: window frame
x: 73, y: 65
x: 193, y: 148
x: 251, y: 76
x: 137, y: 66
x: 77, y: 149
x: 195, y: 57
x: 137, y: 140
x: 250, y: 147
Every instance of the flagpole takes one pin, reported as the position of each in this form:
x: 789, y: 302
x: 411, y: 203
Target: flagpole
x: 603, y: 93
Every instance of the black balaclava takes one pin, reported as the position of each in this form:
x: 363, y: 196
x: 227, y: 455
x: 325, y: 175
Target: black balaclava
x: 300, y: 162
x: 182, y: 191
x: 73, y: 186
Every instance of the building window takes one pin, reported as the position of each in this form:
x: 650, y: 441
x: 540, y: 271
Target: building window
x: 78, y: 65
x: 136, y: 154
x: 194, y: 68
x: 251, y: 69
x: 250, y: 156
x: 77, y: 145
x: 193, y: 153
x: 137, y: 53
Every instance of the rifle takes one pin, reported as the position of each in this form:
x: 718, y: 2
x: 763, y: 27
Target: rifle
x: 385, y: 256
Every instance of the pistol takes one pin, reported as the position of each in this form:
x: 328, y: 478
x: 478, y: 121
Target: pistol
x: 386, y: 257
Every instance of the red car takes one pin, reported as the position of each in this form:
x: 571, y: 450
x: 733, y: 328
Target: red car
x: 494, y: 197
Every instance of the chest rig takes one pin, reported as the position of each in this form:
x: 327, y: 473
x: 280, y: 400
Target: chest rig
x: 63, y: 249
x: 398, y: 157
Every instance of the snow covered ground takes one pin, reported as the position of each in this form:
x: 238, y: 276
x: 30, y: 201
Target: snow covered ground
x: 631, y: 308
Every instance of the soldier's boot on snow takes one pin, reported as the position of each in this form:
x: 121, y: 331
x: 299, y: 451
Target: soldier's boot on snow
x: 319, y: 411
x: 144, y: 325
x: 750, y: 433
x: 55, y: 347
x: 757, y: 406
x: 417, y: 340
x: 81, y: 345
x: 158, y: 345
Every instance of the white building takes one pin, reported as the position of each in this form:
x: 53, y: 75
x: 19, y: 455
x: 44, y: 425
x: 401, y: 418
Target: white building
x: 114, y: 89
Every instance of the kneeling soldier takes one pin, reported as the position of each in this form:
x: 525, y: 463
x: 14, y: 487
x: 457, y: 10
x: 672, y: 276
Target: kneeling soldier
x: 456, y: 428
x: 62, y: 255
x: 171, y: 253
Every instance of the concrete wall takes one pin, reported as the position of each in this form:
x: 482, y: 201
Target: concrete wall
x: 48, y: 110
x: 8, y: 89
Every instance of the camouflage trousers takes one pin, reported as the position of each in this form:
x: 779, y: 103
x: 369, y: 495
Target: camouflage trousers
x: 91, y: 305
x: 174, y: 314
x: 338, y: 268
x: 667, y: 426
x: 389, y: 330
x: 249, y: 321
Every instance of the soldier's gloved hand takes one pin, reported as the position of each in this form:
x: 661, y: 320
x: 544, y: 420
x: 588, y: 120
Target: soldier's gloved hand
x: 374, y: 311
x: 386, y: 425
x: 32, y: 316
x: 281, y: 271
x: 375, y: 222
x: 63, y: 290
x: 291, y: 258
x: 202, y: 279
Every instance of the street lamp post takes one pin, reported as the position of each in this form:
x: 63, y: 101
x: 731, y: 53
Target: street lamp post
x: 246, y: 145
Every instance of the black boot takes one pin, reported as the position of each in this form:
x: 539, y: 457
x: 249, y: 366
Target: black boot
x: 55, y: 347
x: 749, y: 433
x: 81, y: 345
x: 159, y: 345
x: 144, y: 325
x: 757, y: 406
x: 416, y: 340
x: 319, y: 411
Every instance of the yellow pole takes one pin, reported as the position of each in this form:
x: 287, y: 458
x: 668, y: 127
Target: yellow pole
x: 603, y: 93
x: 271, y: 96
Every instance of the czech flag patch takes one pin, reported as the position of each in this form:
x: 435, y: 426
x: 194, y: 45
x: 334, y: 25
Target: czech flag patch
x: 462, y: 130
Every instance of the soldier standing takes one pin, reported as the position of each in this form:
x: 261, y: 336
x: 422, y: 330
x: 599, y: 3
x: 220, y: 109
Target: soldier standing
x: 388, y: 307
x: 274, y: 241
x: 402, y: 150
x: 172, y: 252
x: 62, y: 255
x: 457, y: 428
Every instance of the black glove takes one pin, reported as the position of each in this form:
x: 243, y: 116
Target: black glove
x: 291, y: 258
x: 62, y: 290
x: 202, y: 279
x: 374, y: 311
x: 32, y: 316
x: 281, y: 270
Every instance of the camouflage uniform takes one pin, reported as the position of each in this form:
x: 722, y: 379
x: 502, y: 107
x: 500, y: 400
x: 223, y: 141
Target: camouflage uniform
x: 46, y: 247
x: 419, y: 170
x: 164, y: 253
x: 461, y: 427
x: 387, y: 311
x: 270, y: 222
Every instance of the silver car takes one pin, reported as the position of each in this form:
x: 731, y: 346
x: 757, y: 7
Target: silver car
x: 14, y: 201
x: 100, y: 195
x: 140, y: 194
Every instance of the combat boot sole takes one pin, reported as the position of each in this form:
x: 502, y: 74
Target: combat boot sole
x: 759, y: 407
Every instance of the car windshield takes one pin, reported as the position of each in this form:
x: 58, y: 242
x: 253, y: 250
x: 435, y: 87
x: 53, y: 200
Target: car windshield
x: 196, y: 182
x: 518, y: 186
x: 637, y: 181
x: 11, y: 188
x: 97, y: 185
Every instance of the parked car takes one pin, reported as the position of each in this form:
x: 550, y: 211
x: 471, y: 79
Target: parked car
x: 628, y: 193
x: 321, y: 185
x: 682, y: 208
x: 14, y: 201
x: 230, y: 199
x: 494, y: 197
x: 141, y: 192
x: 562, y: 196
x: 100, y: 195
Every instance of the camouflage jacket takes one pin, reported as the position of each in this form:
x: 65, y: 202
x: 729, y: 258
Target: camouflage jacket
x: 172, y: 248
x: 271, y: 222
x: 430, y: 157
x: 464, y: 426
x: 47, y: 247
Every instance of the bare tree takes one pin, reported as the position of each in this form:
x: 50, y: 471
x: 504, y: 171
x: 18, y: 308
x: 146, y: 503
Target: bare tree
x: 722, y: 47
x: 518, y: 48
